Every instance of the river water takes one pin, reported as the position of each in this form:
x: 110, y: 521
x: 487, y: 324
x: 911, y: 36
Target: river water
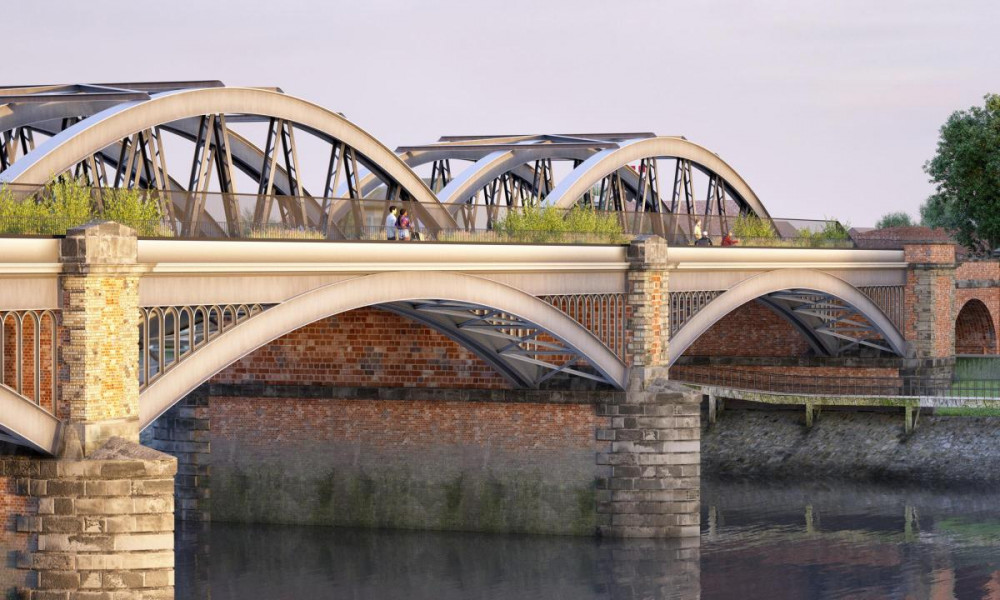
x: 812, y: 541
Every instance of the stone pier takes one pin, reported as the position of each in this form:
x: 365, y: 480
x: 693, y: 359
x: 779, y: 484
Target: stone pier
x: 652, y: 478
x: 96, y: 521
x: 929, y: 319
x: 184, y: 433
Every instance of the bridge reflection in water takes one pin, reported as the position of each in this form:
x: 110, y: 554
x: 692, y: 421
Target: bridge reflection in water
x: 757, y: 542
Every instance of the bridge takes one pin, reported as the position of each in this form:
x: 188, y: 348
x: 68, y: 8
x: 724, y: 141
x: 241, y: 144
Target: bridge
x: 544, y: 362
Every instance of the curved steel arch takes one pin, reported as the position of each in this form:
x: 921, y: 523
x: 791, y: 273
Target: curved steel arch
x: 778, y: 281
x: 102, y: 129
x: 606, y: 162
x: 390, y: 289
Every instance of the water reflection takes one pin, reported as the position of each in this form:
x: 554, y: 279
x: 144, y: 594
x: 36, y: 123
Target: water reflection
x: 757, y: 542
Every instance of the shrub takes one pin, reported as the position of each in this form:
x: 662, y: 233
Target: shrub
x: 752, y: 227
x: 533, y: 224
x: 133, y: 209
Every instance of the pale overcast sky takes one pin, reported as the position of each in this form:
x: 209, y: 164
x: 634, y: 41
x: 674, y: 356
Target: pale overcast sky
x: 826, y: 108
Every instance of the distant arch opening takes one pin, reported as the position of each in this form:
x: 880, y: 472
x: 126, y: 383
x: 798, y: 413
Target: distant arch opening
x: 974, y: 331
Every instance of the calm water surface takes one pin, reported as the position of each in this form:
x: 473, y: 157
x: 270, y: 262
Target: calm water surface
x: 757, y: 542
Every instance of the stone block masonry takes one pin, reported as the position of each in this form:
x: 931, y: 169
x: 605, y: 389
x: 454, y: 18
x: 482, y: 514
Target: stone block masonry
x: 97, y: 528
x: 652, y: 477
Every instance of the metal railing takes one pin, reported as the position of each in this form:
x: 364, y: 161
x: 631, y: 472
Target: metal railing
x: 208, y: 215
x: 890, y: 387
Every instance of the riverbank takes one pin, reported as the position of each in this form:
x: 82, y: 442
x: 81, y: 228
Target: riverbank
x: 943, y: 451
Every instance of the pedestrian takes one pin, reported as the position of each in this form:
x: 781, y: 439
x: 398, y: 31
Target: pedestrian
x: 390, y: 224
x: 729, y: 240
x: 403, y: 224
x: 704, y: 240
x: 697, y: 230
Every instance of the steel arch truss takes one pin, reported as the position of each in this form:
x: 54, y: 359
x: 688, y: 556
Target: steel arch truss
x: 112, y: 138
x: 523, y: 352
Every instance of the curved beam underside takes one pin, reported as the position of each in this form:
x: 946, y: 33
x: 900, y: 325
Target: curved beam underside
x: 26, y: 420
x: 371, y: 290
x: 777, y: 281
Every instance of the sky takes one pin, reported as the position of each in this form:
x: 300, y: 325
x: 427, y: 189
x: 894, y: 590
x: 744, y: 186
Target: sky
x: 827, y: 109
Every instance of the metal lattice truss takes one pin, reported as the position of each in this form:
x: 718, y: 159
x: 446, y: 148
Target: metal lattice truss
x: 118, y: 136
x: 610, y: 171
x: 832, y: 327
x: 169, y: 335
x: 523, y: 352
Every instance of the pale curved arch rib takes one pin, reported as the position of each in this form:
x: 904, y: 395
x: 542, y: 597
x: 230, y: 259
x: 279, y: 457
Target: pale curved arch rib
x: 572, y: 187
x: 89, y: 136
x: 360, y: 292
x: 26, y: 420
x: 776, y: 281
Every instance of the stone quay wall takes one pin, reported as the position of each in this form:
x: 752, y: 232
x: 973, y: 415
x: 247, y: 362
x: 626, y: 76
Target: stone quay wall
x: 83, y: 528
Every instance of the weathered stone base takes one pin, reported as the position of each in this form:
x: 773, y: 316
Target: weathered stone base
x: 652, y: 489
x: 95, y: 528
x: 184, y: 433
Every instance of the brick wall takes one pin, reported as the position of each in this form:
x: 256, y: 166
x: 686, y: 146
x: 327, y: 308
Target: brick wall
x: 364, y: 347
x: 750, y: 330
x: 975, y: 327
x: 929, y: 296
x: 982, y: 270
x: 427, y: 464
x: 28, y: 358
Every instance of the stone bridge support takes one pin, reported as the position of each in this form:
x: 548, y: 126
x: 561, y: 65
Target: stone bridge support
x: 98, y: 519
x: 653, y: 485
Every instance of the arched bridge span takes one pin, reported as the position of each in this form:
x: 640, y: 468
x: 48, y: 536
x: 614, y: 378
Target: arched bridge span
x: 832, y: 314
x: 525, y: 338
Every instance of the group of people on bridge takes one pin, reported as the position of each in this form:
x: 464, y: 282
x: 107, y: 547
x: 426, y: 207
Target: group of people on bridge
x: 701, y: 237
x: 399, y: 226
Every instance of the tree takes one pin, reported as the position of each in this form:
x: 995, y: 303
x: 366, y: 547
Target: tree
x: 894, y: 219
x: 966, y: 173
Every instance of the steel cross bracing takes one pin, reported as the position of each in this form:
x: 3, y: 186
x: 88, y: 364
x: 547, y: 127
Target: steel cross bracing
x: 523, y: 352
x: 836, y: 325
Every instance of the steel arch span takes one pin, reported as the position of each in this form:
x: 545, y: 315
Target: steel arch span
x: 487, y: 317
x: 200, y: 113
x: 832, y: 314
x: 512, y: 171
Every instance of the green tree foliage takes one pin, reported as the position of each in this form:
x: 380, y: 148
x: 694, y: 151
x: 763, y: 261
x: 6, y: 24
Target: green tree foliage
x: 66, y: 204
x: 535, y: 224
x: 894, y: 219
x: 966, y: 173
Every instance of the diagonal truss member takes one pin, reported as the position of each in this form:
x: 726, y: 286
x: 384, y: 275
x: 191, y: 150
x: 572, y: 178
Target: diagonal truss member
x: 834, y: 324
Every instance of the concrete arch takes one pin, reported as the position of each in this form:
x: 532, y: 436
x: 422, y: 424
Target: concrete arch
x: 117, y: 122
x: 25, y: 420
x: 605, y: 162
x: 371, y: 290
x: 777, y: 281
x: 975, y: 332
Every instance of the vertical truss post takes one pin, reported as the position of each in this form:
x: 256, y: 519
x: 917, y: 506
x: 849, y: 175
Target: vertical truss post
x: 353, y: 187
x: 201, y: 166
x: 291, y: 154
x: 224, y: 169
x: 333, y: 172
x: 265, y: 189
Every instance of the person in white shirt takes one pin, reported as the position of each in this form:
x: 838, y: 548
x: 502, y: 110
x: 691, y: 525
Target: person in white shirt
x: 390, y: 224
